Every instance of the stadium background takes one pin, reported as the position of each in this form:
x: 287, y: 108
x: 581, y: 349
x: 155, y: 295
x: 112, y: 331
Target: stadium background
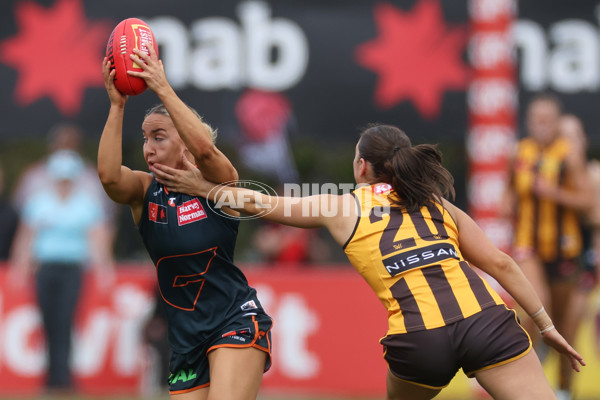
x: 446, y: 71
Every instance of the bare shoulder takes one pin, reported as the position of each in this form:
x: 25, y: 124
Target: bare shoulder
x: 145, y: 178
x: 452, y: 210
x: 137, y: 204
x: 594, y: 169
x: 576, y: 159
x: 343, y: 221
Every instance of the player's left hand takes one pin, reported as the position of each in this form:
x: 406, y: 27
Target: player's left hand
x: 554, y: 339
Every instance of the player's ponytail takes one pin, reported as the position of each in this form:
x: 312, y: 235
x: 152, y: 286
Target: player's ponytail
x: 415, y: 172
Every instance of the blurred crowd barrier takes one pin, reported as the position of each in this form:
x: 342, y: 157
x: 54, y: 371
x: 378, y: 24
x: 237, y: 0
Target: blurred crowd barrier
x: 325, y: 337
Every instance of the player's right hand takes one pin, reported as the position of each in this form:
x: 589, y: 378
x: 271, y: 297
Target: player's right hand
x: 116, y: 98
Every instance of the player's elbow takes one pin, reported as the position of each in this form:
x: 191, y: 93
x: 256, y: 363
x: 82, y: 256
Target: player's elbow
x: 215, y: 166
x: 231, y: 174
x: 501, y: 263
x: 107, y: 178
x: 204, y: 153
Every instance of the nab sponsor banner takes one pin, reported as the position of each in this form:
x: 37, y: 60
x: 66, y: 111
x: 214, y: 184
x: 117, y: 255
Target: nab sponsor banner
x: 338, y: 66
x: 558, y: 47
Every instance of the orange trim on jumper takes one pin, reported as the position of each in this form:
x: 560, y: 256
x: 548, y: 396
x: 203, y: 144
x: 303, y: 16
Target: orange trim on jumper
x: 234, y: 333
x: 239, y: 345
x: 184, y: 277
x: 257, y: 335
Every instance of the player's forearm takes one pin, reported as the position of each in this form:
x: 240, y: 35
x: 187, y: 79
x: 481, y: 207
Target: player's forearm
x: 510, y: 277
x: 216, y: 167
x: 239, y: 199
x: 213, y: 164
x: 110, y: 148
x: 193, y: 132
x: 300, y: 212
x: 581, y: 200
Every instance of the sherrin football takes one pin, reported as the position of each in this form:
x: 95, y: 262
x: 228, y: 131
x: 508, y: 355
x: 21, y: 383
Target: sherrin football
x: 129, y: 34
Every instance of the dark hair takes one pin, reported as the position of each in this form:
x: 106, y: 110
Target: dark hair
x: 415, y: 172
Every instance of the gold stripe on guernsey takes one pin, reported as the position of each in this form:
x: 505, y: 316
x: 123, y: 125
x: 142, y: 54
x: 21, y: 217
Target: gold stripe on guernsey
x: 413, y: 263
x: 423, y: 294
x: 547, y: 230
x: 495, y: 296
x: 462, y: 290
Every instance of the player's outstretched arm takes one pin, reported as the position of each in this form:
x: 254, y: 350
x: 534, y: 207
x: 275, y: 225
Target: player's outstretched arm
x: 215, y: 166
x: 336, y: 213
x: 482, y: 253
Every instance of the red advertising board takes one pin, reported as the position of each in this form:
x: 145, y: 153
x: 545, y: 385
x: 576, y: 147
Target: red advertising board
x: 107, y: 340
x: 325, y: 337
x: 326, y: 334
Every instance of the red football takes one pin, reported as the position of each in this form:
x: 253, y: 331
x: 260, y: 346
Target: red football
x: 129, y: 34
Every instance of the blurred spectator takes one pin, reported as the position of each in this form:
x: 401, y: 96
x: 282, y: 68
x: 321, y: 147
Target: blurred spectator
x: 264, y: 118
x: 60, y: 233
x: 288, y: 247
x: 65, y: 136
x: 8, y: 221
x: 158, y: 352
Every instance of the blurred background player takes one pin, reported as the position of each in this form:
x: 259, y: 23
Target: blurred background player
x: 571, y: 127
x: 60, y: 235
x: 549, y: 190
x: 9, y: 220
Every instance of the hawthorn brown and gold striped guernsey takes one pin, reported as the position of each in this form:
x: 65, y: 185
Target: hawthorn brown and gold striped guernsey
x: 550, y: 229
x: 413, y: 263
